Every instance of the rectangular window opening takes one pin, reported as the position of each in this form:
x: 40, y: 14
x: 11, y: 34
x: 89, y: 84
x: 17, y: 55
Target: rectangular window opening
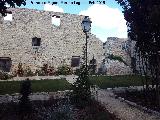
x: 5, y: 64
x: 8, y: 17
x: 56, y: 20
x: 36, y: 41
x: 75, y: 61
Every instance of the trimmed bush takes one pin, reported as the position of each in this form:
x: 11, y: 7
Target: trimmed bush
x: 45, y: 71
x: 64, y: 70
x: 4, y: 75
x: 51, y: 71
x: 28, y: 72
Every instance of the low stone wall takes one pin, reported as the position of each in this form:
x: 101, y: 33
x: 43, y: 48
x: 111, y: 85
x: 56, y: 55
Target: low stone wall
x: 70, y: 78
x: 34, y: 78
x: 35, y: 96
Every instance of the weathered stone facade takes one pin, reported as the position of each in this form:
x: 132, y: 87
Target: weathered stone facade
x: 58, y: 43
x: 118, y: 47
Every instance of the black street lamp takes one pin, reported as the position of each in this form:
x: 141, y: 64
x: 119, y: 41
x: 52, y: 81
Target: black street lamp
x: 86, y: 26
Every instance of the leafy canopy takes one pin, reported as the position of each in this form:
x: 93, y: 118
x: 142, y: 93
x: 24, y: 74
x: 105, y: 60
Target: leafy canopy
x: 143, y: 23
x: 11, y: 3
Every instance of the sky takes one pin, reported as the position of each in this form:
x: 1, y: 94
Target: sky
x: 106, y: 16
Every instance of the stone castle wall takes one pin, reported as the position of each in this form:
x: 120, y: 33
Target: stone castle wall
x: 119, y: 47
x: 58, y: 43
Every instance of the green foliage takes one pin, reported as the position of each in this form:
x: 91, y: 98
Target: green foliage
x: 4, y: 75
x: 51, y: 71
x: 50, y: 85
x: 76, y: 72
x: 20, y: 71
x: 117, y: 81
x: 28, y: 72
x: 143, y: 24
x: 12, y: 3
x: 39, y: 73
x: 64, y: 70
x: 10, y: 87
x: 116, y: 57
x: 23, y: 72
x: 92, y: 66
x: 45, y: 70
x: 81, y: 88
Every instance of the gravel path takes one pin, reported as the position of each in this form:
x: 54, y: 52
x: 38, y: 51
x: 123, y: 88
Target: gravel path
x: 121, y: 109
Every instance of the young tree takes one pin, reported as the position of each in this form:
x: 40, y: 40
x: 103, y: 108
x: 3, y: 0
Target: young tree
x: 11, y: 3
x: 81, y: 88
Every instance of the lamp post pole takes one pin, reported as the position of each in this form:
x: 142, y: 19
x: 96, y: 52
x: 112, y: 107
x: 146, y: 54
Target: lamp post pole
x: 86, y: 50
x: 86, y: 26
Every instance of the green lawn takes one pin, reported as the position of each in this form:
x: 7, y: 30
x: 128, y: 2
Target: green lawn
x: 116, y: 81
x: 9, y: 87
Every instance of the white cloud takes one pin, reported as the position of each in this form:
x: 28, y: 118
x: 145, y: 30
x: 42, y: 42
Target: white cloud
x: 53, y: 8
x: 108, y: 19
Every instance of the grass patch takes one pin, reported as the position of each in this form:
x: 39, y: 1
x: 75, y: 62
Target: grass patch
x: 117, y: 81
x: 9, y: 87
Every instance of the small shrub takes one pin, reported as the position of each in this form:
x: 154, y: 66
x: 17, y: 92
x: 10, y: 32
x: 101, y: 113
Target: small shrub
x: 28, y: 72
x: 51, y: 71
x: 39, y: 73
x: 64, y: 70
x: 81, y: 88
x: 20, y: 70
x: 5, y: 76
x: 77, y: 71
x: 45, y: 70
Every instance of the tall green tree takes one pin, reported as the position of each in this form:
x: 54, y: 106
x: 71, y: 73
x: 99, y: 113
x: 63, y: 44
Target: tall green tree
x: 143, y: 24
x: 11, y: 3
